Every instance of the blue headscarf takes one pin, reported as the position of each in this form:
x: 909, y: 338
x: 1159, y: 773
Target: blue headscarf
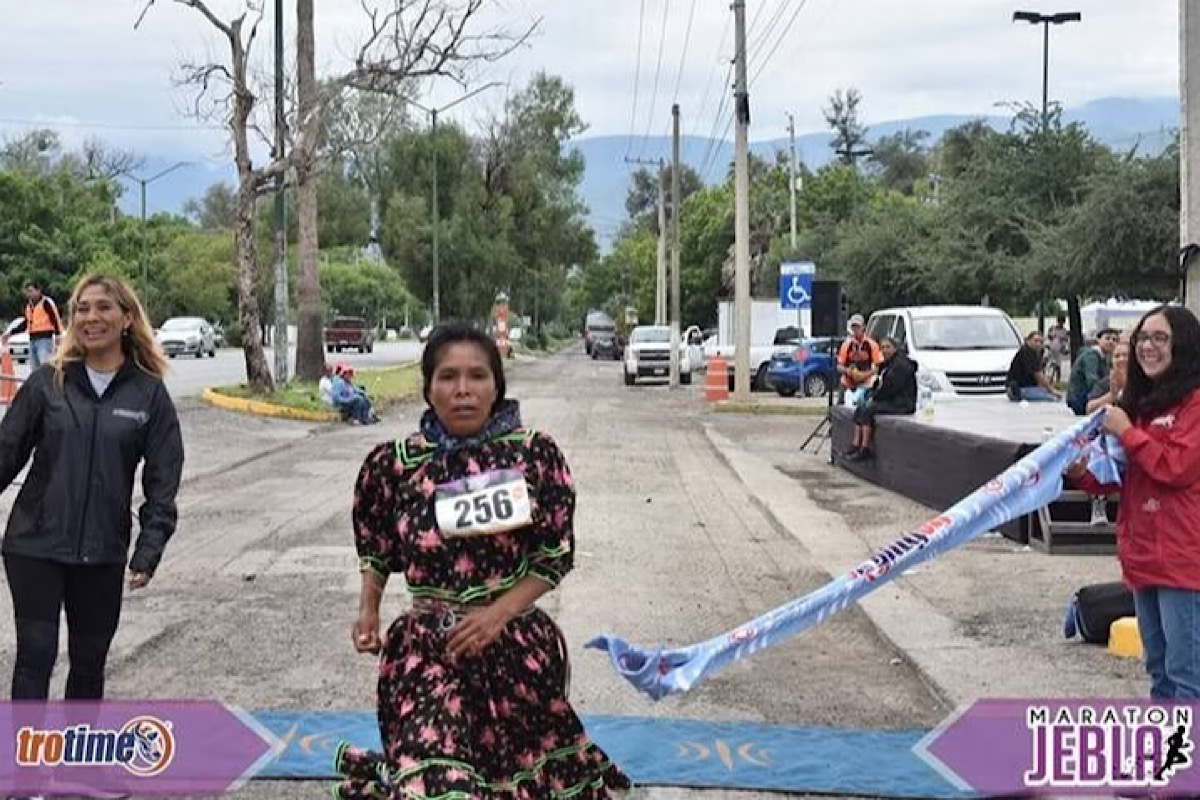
x: 506, y: 418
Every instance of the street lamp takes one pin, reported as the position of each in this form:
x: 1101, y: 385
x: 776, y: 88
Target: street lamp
x: 433, y: 115
x: 1046, y: 20
x: 143, y: 183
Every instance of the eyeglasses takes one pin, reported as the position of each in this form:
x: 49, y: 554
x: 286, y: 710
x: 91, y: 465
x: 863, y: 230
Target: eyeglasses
x: 1159, y: 338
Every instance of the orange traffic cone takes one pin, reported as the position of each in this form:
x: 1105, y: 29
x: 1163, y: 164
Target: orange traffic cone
x: 716, y: 383
x: 8, y: 376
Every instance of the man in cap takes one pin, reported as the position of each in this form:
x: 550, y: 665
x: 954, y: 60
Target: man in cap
x: 858, y: 360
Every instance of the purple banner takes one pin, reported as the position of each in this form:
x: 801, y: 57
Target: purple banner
x: 136, y: 748
x: 1089, y: 747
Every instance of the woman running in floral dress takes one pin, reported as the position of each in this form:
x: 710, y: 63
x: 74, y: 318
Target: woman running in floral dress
x: 476, y: 513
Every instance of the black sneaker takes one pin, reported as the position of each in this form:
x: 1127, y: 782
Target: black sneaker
x: 852, y: 453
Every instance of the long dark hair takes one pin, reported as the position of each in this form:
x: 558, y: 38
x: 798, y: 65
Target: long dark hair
x: 1145, y: 398
x: 461, y: 333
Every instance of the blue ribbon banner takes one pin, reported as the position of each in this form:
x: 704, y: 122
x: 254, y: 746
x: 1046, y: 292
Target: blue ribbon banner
x: 1026, y: 486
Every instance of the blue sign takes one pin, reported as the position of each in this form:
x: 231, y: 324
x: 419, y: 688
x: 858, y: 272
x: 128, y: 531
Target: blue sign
x: 796, y: 286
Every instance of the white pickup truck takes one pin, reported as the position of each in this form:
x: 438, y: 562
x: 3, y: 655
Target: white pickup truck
x: 648, y: 355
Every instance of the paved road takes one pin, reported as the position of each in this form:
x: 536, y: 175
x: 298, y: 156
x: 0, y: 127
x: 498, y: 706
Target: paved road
x: 190, y: 375
x: 254, y: 600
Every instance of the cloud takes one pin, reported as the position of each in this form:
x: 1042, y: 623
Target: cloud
x: 83, y: 62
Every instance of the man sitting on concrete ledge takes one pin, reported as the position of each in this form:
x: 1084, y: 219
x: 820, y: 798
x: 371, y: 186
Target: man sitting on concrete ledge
x: 895, y: 393
x: 1026, y: 379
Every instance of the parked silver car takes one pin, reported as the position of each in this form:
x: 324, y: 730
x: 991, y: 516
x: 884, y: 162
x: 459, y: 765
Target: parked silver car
x: 187, y: 336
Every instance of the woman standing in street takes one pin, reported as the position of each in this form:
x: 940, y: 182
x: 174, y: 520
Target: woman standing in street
x: 476, y: 512
x: 1158, y: 524
x: 88, y: 419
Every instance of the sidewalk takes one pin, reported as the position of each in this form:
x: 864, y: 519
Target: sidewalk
x: 984, y: 620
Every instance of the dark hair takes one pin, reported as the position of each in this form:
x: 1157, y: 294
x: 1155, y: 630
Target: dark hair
x: 1143, y: 397
x: 33, y: 285
x: 461, y: 333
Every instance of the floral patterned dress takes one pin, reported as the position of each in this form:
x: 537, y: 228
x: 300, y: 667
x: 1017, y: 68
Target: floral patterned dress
x: 498, y: 724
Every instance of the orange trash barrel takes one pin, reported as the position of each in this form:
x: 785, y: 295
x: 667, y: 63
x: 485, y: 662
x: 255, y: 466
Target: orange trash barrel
x: 716, y: 384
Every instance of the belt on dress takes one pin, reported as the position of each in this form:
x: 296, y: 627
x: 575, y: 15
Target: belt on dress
x: 452, y: 610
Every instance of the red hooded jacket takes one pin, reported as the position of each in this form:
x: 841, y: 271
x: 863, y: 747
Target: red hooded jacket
x: 1158, y: 525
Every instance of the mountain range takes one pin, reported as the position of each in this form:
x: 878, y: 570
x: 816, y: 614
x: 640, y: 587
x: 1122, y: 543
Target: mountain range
x: 1148, y: 123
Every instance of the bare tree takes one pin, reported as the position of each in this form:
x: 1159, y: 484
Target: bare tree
x: 410, y: 41
x: 223, y: 89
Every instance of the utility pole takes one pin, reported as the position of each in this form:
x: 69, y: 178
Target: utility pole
x: 437, y: 220
x: 676, y: 213
x: 660, y: 283
x: 741, y: 227
x: 281, y: 275
x: 792, y: 176
x: 1189, y: 149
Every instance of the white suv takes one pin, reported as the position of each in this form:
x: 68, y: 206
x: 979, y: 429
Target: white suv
x: 964, y: 350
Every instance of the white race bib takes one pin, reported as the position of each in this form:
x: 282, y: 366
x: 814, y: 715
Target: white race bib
x: 477, y: 505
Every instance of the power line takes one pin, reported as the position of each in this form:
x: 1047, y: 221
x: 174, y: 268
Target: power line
x: 637, y: 76
x: 662, y: 40
x: 687, y: 38
x: 759, y: 38
x: 716, y: 124
x: 111, y: 126
x: 787, y: 28
x: 702, y: 109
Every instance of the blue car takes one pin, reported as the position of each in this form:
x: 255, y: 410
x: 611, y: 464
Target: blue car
x: 808, y: 370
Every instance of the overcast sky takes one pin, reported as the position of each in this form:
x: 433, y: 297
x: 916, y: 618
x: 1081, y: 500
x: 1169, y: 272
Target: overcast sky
x: 78, y: 64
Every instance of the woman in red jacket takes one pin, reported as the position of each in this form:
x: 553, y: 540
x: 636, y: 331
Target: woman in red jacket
x: 1158, y: 526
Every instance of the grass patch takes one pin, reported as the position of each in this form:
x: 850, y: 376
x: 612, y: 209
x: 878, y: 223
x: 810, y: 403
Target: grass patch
x: 385, y: 387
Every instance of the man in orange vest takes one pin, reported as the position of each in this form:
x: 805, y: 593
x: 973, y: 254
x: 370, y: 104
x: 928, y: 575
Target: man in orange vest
x: 43, y: 324
x: 858, y: 360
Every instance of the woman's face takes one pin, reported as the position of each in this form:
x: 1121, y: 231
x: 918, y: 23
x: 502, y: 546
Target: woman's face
x: 1154, y: 346
x: 463, y: 389
x: 1121, y: 357
x: 98, y: 321
x: 888, y: 348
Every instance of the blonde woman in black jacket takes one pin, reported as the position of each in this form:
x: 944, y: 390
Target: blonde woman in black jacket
x: 87, y: 419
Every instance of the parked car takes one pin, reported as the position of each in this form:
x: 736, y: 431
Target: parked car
x: 18, y: 344
x: 606, y: 344
x: 187, y: 336
x: 648, y: 355
x: 808, y: 369
x: 345, y: 333
x: 964, y: 350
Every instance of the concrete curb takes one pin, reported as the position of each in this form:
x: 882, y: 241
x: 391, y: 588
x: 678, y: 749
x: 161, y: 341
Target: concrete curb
x: 729, y: 407
x: 261, y: 409
x: 950, y: 662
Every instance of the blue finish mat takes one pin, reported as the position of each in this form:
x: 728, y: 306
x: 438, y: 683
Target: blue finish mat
x: 675, y: 752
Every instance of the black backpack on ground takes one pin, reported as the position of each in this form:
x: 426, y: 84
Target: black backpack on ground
x: 1093, y: 609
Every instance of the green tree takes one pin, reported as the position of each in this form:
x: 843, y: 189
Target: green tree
x: 849, y: 134
x: 901, y: 160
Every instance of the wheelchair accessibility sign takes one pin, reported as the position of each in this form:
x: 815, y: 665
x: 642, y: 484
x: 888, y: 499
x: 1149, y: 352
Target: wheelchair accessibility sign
x: 796, y: 285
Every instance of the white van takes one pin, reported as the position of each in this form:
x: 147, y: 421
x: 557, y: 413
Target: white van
x: 966, y: 350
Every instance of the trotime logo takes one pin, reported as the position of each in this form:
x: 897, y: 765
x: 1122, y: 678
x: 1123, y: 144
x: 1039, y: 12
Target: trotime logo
x: 144, y: 746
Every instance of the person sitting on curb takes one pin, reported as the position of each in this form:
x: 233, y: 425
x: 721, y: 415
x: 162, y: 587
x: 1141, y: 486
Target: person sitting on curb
x: 1089, y: 374
x: 895, y: 393
x: 350, y: 399
x: 858, y: 362
x: 1026, y: 380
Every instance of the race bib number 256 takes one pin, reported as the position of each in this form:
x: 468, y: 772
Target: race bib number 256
x: 493, y: 502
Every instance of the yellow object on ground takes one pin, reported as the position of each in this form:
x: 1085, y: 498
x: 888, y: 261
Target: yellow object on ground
x: 1124, y: 639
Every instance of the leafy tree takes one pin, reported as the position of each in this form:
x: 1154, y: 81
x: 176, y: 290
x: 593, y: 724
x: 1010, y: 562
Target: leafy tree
x: 215, y: 210
x: 901, y: 160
